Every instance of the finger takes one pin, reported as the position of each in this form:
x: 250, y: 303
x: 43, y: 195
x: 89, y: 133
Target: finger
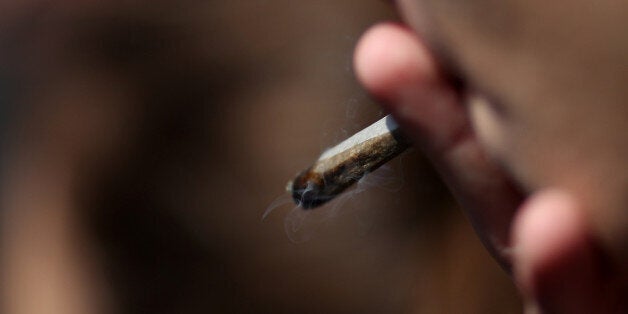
x: 556, y: 262
x: 397, y: 68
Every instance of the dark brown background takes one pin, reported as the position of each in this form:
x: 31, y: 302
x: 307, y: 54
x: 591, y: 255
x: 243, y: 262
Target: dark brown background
x: 203, y: 111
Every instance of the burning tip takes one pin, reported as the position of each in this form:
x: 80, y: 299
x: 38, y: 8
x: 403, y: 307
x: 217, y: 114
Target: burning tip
x: 307, y: 191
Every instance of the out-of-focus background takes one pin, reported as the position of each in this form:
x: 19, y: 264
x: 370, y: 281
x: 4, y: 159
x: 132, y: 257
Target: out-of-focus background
x: 142, y: 141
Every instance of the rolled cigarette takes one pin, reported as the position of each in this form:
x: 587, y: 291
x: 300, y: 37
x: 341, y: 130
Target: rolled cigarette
x: 346, y: 163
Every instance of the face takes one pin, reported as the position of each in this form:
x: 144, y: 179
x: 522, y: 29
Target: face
x: 551, y: 75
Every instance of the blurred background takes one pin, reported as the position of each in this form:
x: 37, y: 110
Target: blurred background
x: 142, y: 142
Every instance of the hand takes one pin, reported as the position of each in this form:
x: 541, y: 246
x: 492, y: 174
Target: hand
x: 541, y: 237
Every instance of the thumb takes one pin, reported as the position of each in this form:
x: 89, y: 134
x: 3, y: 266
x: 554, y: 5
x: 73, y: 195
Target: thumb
x: 556, y: 263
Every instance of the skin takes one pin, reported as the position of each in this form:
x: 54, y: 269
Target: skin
x: 521, y: 107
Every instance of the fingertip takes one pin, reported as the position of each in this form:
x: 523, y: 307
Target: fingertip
x: 396, y: 67
x: 389, y: 56
x: 554, y: 258
x: 547, y: 225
